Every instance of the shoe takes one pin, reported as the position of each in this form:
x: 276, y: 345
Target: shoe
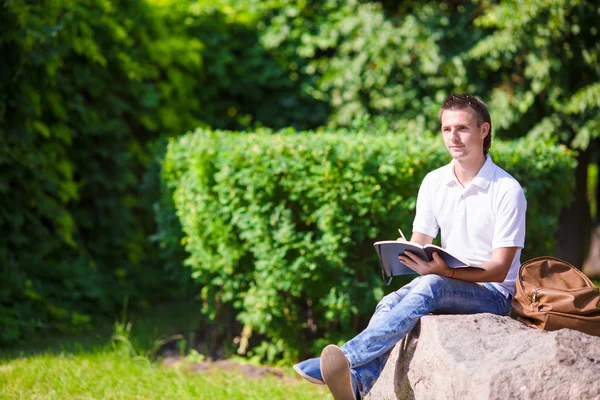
x: 310, y: 370
x: 336, y: 373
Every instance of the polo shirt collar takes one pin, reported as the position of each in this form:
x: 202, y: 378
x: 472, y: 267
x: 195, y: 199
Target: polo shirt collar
x: 483, y: 177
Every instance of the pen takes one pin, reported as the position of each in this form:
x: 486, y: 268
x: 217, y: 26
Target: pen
x: 401, y: 234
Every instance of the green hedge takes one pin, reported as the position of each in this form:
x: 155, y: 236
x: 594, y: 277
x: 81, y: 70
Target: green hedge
x: 281, y: 226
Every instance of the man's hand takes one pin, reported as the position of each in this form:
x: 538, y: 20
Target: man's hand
x: 436, y: 266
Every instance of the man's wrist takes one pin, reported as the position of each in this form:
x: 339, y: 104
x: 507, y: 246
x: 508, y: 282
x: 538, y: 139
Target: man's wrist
x: 451, y: 272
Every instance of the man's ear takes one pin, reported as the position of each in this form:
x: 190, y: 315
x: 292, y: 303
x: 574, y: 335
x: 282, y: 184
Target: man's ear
x: 485, y: 130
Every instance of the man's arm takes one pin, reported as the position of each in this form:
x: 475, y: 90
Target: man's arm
x: 421, y: 238
x: 494, y: 270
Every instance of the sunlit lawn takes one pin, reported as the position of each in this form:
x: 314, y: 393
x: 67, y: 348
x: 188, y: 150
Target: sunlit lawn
x: 88, y: 367
x: 108, y: 375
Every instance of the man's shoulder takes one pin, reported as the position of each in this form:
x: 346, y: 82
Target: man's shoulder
x: 506, y: 181
x: 441, y: 174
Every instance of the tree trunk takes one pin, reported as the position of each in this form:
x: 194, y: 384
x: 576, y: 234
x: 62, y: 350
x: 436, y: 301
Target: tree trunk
x: 575, y: 221
x: 591, y: 266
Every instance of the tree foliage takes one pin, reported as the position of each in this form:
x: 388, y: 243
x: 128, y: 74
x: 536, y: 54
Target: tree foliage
x: 362, y: 59
x: 84, y: 89
x: 542, y: 67
x: 78, y: 103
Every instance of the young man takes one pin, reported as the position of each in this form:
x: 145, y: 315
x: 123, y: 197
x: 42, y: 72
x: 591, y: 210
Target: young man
x: 480, y: 210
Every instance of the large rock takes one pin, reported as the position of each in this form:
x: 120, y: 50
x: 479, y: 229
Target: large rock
x: 485, y: 356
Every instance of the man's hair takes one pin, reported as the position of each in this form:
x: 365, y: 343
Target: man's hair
x: 462, y: 101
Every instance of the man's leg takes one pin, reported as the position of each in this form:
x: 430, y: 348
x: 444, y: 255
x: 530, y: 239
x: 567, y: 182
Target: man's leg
x: 388, y: 302
x: 366, y: 375
x: 310, y: 369
x: 368, y: 351
x: 428, y: 293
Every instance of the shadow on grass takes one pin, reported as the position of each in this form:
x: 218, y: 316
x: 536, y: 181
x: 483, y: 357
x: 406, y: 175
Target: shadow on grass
x: 147, y: 327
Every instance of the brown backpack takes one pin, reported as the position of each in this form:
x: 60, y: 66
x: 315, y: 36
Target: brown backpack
x: 552, y: 294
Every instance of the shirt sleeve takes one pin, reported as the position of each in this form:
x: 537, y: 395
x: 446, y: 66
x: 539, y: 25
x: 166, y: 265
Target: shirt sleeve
x: 509, y: 229
x: 425, y: 221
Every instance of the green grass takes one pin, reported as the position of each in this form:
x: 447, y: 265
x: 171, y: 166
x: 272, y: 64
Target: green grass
x: 88, y: 367
x: 109, y: 375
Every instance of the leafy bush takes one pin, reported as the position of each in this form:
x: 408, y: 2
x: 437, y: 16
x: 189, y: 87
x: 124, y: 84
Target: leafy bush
x: 85, y: 89
x: 281, y: 226
x: 78, y: 102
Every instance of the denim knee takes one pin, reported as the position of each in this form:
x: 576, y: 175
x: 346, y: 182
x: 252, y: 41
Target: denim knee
x: 388, y: 301
x: 432, y: 281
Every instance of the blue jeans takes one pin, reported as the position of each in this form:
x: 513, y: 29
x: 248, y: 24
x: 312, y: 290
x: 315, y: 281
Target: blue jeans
x: 397, y: 313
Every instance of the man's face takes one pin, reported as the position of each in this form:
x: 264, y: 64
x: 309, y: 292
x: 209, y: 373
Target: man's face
x: 462, y: 135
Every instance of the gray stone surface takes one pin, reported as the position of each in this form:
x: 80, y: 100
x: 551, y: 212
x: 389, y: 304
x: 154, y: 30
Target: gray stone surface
x: 485, y: 356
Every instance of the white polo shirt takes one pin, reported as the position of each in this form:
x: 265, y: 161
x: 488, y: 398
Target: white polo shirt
x: 486, y: 214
